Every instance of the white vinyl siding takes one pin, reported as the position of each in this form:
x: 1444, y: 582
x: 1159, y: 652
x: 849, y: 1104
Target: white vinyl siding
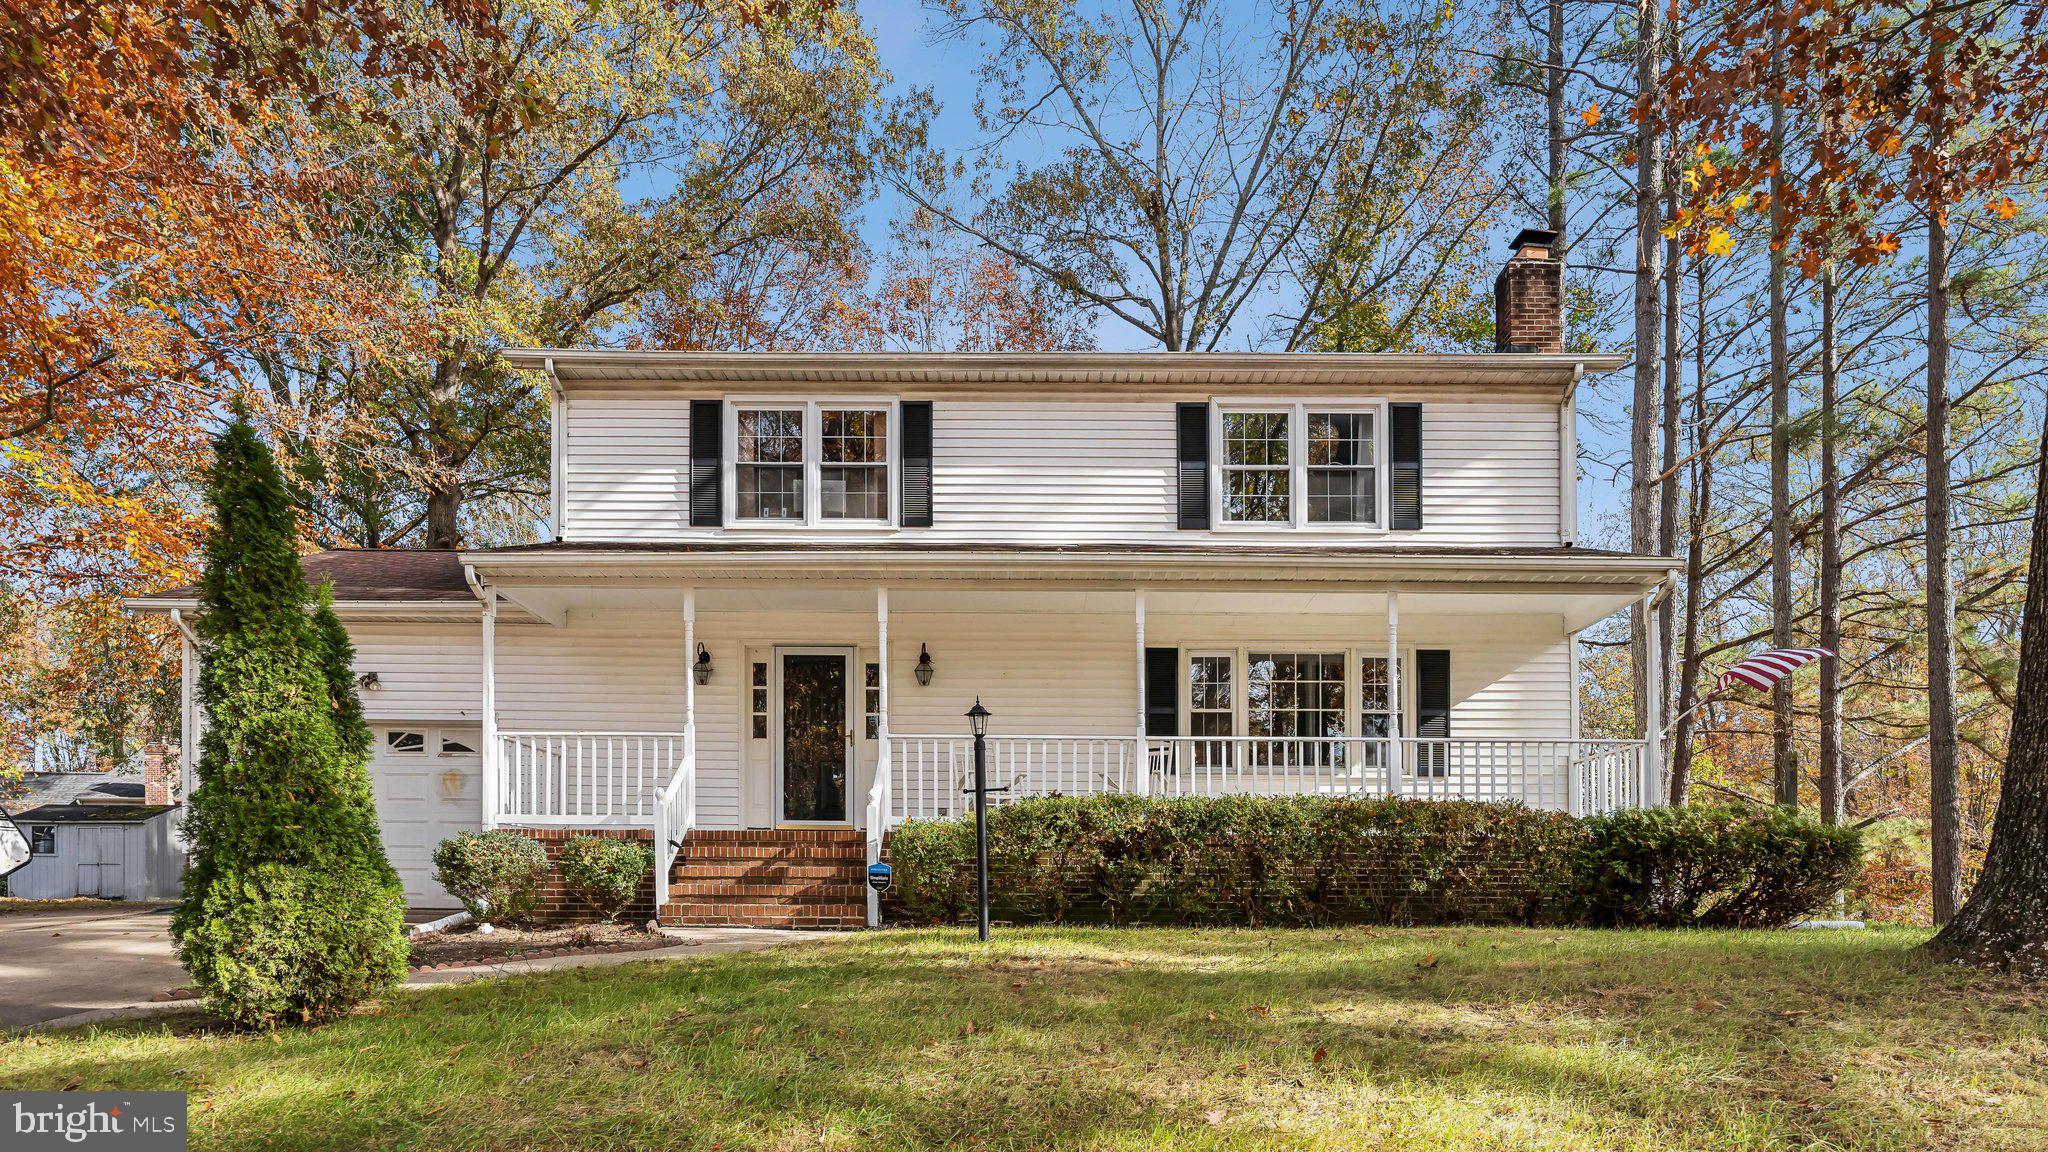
x: 1067, y: 473
x: 424, y: 671
x: 1053, y: 673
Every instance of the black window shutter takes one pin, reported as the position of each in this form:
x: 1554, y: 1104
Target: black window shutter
x: 1404, y: 452
x: 917, y: 463
x: 707, y: 471
x: 1192, y: 421
x: 1162, y: 691
x: 1432, y: 710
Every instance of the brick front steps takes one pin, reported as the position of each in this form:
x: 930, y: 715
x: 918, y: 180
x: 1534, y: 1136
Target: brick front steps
x: 763, y: 878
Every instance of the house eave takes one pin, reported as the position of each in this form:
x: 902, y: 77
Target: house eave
x: 1233, y: 565
x: 967, y: 373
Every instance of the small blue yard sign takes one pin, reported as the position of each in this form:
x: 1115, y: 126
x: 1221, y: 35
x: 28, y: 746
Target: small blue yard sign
x: 879, y: 876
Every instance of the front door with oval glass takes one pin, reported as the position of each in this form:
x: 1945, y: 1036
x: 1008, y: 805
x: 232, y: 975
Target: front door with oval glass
x: 814, y: 741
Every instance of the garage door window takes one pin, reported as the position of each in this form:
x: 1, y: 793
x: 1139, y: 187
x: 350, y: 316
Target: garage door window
x: 42, y: 840
x: 450, y: 746
x: 401, y: 741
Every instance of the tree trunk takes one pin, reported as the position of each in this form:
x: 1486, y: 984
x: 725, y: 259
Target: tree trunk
x: 1944, y: 801
x: 1667, y: 490
x: 2005, y: 923
x: 1695, y: 553
x: 444, y: 485
x: 1643, y: 422
x: 1784, y: 760
x: 1553, y: 114
x: 1830, y: 558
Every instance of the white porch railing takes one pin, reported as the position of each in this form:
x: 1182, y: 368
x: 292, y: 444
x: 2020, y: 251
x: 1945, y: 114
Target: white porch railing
x: 930, y: 774
x: 586, y: 779
x: 675, y: 815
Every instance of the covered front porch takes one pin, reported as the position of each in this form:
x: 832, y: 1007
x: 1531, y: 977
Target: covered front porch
x: 782, y: 691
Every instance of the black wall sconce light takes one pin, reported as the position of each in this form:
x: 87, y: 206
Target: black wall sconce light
x: 923, y: 671
x: 703, y: 668
x: 368, y: 682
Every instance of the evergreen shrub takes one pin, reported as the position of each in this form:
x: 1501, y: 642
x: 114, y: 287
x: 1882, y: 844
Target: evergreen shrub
x: 605, y: 873
x: 291, y: 912
x: 497, y: 875
x: 1307, y: 860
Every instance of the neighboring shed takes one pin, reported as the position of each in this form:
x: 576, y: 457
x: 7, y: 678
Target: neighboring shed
x: 110, y: 834
x: 115, y: 851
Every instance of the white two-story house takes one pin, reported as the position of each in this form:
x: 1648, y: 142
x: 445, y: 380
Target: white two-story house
x: 779, y: 581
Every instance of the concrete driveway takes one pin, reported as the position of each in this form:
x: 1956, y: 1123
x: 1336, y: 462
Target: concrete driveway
x: 55, y: 963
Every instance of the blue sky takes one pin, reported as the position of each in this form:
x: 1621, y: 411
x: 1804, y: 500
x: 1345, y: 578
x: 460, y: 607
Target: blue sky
x: 915, y: 58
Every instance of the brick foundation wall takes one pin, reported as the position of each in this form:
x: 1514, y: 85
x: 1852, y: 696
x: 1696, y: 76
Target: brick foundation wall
x: 556, y: 905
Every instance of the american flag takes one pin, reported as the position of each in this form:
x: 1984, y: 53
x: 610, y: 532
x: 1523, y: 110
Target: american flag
x: 1766, y: 668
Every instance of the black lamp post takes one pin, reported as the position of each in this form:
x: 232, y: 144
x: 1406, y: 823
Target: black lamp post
x: 978, y: 717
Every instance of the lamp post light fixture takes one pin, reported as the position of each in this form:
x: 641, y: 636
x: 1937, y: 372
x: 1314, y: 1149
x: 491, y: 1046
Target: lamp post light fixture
x: 977, y: 716
x: 703, y: 669
x: 923, y: 671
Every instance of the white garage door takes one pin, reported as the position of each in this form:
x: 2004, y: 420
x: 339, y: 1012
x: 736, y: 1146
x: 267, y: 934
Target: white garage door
x: 428, y: 785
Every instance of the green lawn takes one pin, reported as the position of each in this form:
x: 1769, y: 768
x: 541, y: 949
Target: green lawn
x: 1354, y: 1038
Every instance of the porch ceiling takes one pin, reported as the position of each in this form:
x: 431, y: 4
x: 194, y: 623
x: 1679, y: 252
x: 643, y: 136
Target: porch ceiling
x: 1578, y: 587
x: 554, y: 601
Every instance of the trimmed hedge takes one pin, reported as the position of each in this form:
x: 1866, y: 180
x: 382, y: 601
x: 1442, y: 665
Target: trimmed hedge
x: 497, y: 875
x: 1719, y: 867
x: 1305, y: 860
x: 605, y: 873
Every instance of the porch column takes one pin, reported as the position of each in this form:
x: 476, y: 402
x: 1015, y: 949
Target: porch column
x: 1141, y: 762
x: 1653, y: 708
x: 490, y: 710
x: 188, y: 712
x: 689, y: 660
x: 1574, y: 802
x: 1394, y: 702
x: 878, y: 792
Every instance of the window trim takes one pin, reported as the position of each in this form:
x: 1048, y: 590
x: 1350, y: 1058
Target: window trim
x: 813, y: 460
x: 38, y: 831
x: 1297, y: 464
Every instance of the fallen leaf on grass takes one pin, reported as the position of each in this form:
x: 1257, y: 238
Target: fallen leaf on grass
x: 1261, y: 1010
x: 1322, y: 1054
x: 1216, y: 1116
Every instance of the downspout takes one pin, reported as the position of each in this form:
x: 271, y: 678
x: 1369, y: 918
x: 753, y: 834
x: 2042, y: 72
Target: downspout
x: 558, y: 411
x: 488, y: 817
x: 1568, y: 461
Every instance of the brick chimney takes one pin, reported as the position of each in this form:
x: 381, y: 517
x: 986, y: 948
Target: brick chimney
x: 1528, y: 296
x: 159, y: 774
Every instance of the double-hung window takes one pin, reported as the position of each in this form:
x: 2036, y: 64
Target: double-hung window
x: 1298, y: 465
x: 810, y: 462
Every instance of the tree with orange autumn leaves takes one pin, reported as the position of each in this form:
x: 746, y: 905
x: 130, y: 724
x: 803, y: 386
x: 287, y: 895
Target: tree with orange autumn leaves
x: 162, y: 207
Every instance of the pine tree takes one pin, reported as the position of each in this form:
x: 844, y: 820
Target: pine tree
x: 291, y: 911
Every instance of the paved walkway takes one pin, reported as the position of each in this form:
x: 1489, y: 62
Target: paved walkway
x: 55, y: 964
x: 75, y: 967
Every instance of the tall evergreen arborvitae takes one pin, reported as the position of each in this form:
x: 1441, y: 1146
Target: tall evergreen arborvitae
x: 291, y: 911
